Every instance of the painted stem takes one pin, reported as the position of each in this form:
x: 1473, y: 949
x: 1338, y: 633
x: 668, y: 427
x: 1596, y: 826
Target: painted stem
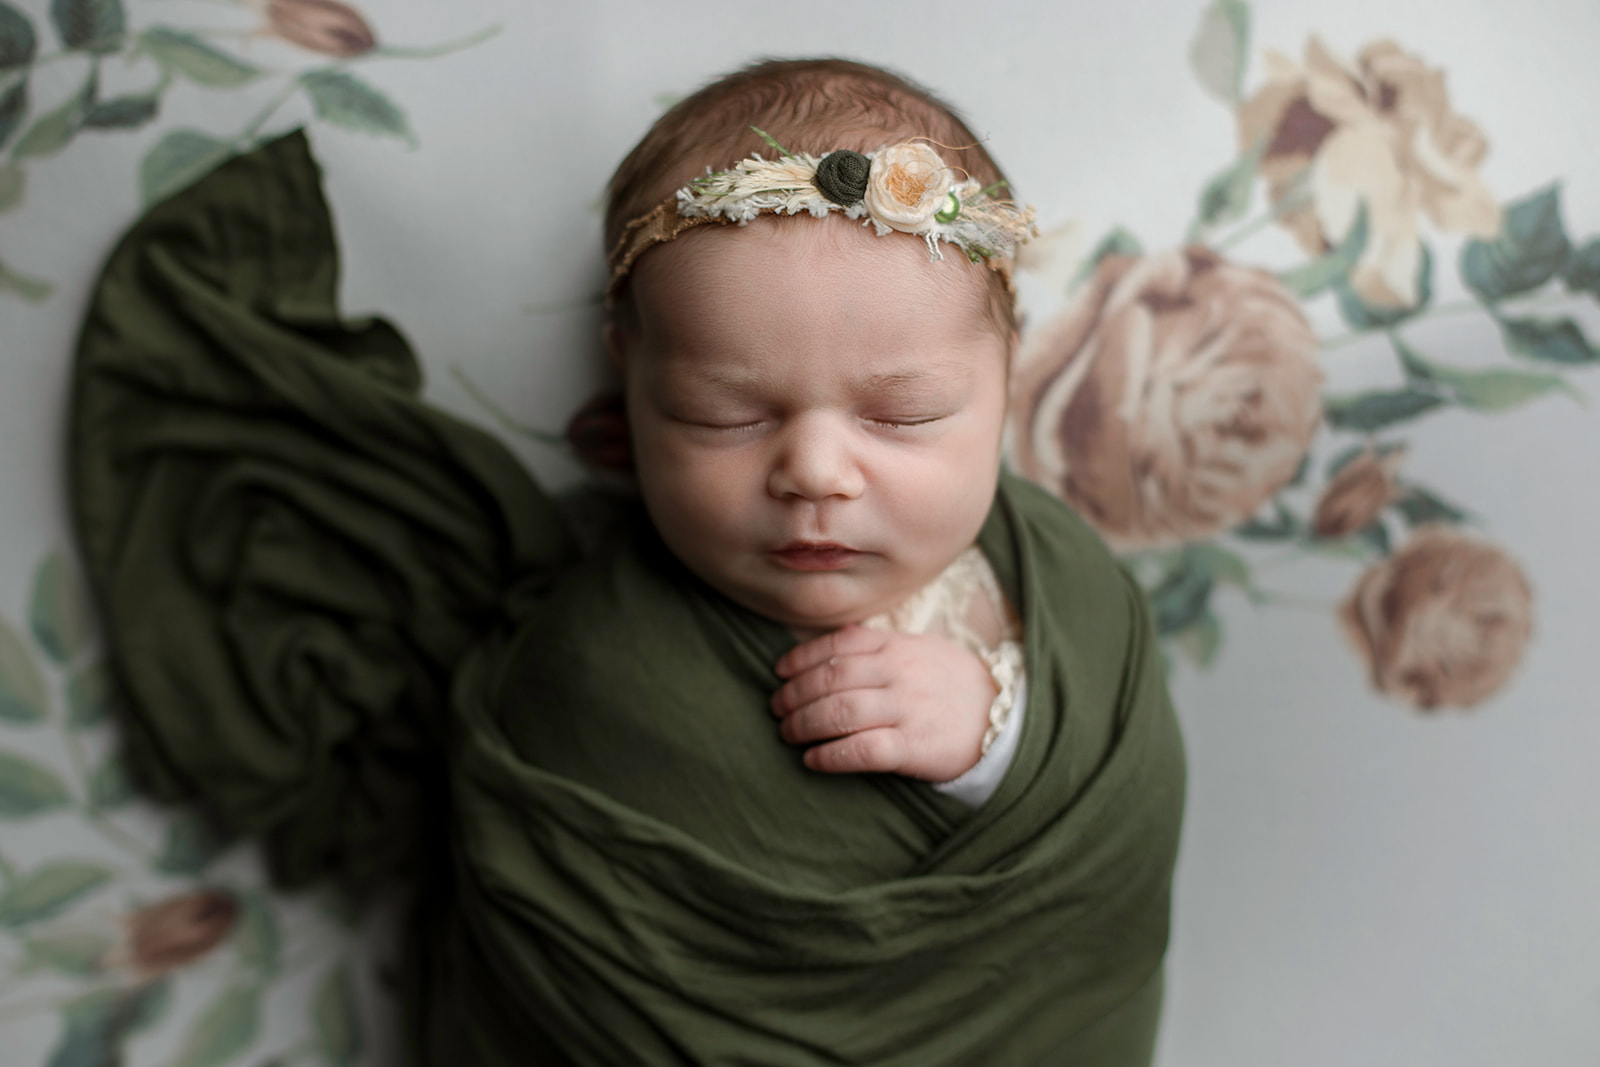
x: 1292, y: 600
x: 544, y: 437
x: 430, y: 51
x: 1440, y: 311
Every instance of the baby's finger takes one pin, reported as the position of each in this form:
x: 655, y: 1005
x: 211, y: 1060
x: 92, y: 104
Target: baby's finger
x: 832, y: 675
x: 882, y: 750
x: 848, y: 640
x: 838, y: 714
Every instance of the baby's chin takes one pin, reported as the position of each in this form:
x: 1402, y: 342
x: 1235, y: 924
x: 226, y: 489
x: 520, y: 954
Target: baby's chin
x: 819, y: 604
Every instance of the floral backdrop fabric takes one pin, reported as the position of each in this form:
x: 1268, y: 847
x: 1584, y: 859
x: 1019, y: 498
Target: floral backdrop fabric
x: 1235, y: 403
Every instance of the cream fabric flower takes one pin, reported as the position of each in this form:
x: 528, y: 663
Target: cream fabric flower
x: 1380, y: 132
x: 1172, y: 397
x: 907, y: 186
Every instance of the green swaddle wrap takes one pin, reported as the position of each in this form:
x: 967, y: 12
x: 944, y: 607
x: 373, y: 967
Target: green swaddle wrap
x: 350, y: 623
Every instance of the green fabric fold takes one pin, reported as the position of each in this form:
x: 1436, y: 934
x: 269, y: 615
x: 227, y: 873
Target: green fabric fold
x: 352, y: 624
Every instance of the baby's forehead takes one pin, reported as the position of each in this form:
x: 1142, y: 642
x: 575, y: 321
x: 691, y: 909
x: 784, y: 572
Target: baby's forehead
x: 739, y: 272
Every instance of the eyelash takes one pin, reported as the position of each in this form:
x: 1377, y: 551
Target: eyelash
x: 905, y: 424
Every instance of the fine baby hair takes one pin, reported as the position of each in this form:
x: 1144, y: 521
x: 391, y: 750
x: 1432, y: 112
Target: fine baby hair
x: 812, y: 106
x: 805, y: 108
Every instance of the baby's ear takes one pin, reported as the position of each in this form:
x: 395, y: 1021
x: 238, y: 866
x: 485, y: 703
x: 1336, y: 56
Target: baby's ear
x: 616, y: 343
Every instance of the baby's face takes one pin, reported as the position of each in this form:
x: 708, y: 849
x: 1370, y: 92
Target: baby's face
x: 815, y: 411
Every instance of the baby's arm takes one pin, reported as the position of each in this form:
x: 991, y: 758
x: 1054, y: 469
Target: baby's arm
x: 880, y: 700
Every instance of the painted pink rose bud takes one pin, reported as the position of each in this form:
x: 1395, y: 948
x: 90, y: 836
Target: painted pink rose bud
x: 174, y: 932
x: 326, y: 26
x: 1362, y: 488
x: 1174, y: 396
x: 1443, y: 621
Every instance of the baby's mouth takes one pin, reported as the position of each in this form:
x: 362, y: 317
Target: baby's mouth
x: 815, y: 555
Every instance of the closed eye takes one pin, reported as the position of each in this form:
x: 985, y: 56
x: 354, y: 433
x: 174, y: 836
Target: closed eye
x: 905, y: 424
x: 725, y: 427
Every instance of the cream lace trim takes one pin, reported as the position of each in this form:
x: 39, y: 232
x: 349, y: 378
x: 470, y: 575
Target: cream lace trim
x: 966, y: 604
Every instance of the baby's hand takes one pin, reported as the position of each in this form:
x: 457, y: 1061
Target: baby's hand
x: 911, y: 704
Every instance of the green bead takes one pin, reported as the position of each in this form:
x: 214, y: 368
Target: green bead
x: 951, y: 209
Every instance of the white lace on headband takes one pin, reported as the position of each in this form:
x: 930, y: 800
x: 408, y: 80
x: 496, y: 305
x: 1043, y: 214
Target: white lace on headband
x: 905, y: 187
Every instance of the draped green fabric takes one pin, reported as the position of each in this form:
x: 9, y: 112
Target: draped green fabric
x: 349, y: 623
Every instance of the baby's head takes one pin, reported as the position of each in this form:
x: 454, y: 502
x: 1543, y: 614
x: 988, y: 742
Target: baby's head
x: 815, y: 410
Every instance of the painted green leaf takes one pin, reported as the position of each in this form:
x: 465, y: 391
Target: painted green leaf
x: 110, y: 785
x: 1182, y: 596
x: 193, y: 841
x: 1201, y: 640
x: 13, y: 105
x: 58, y: 612
x: 1418, y: 505
x: 1558, y: 340
x: 184, y: 53
x: 22, y: 693
x: 1322, y: 273
x: 1371, y: 411
x: 1530, y: 248
x: 1490, y: 389
x: 25, y: 286
x: 1342, y: 459
x: 52, y: 131
x: 96, y: 1024
x: 18, y: 43
x: 224, y: 1029
x: 28, y: 787
x: 345, y: 100
x: 1223, y: 565
x: 337, y: 1020
x: 1119, y: 242
x: 91, y: 25
x: 1226, y: 197
x: 13, y: 181
x: 1220, y: 50
x: 1375, y: 535
x: 1359, y: 315
x: 256, y: 936
x: 176, y: 161
x: 89, y: 696
x: 1300, y: 471
x: 1499, y: 389
x: 72, y: 951
x: 49, y: 890
x: 1581, y: 273
x: 123, y: 112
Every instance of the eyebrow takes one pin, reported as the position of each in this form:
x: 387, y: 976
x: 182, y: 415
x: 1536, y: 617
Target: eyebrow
x: 886, y: 381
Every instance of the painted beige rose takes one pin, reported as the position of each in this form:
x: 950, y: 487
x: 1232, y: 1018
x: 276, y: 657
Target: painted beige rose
x: 1443, y: 621
x: 173, y: 932
x: 1171, y: 398
x: 1362, y: 488
x: 326, y: 26
x: 1380, y: 132
x: 907, y: 186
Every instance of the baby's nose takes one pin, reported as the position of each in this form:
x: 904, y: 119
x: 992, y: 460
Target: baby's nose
x: 815, y: 461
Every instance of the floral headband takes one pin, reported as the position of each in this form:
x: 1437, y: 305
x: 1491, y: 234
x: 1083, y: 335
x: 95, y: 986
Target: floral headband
x: 905, y: 187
